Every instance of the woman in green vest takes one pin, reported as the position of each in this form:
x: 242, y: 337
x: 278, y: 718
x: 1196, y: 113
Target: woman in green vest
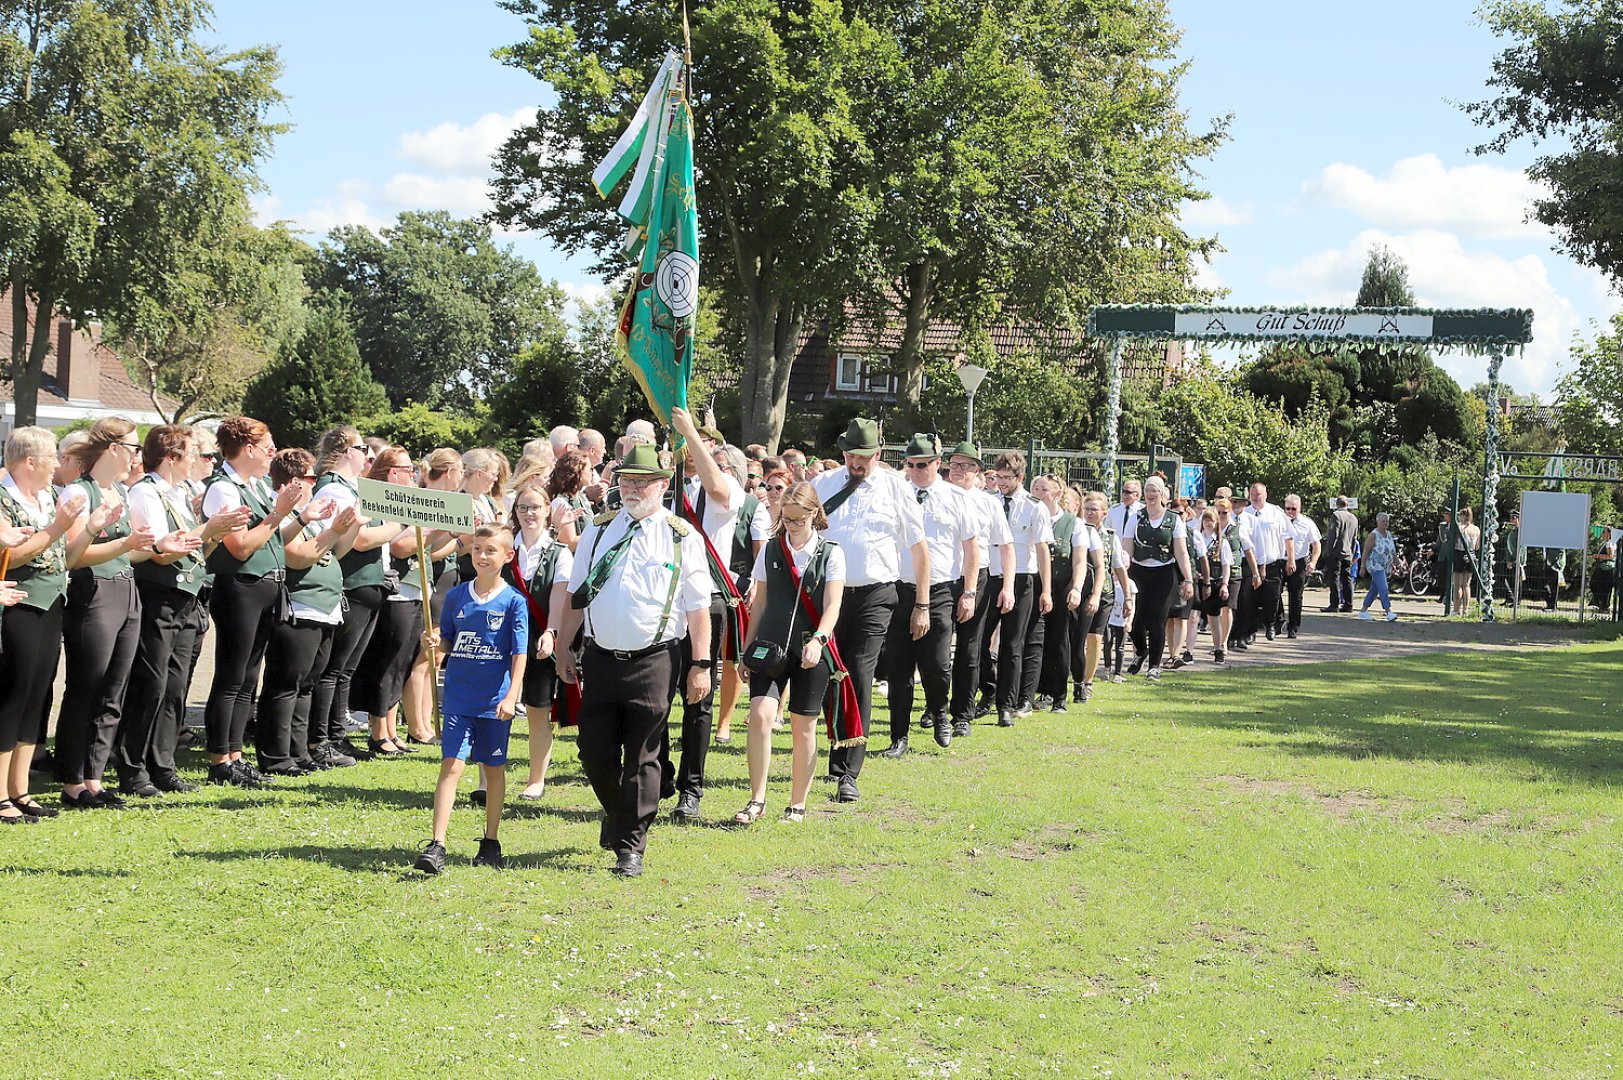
x: 1070, y: 561
x: 340, y: 461
x: 249, y: 574
x: 380, y: 679
x: 101, y: 620
x: 1096, y: 595
x: 31, y: 630
x: 1158, y: 548
x: 797, y: 551
x: 297, y: 651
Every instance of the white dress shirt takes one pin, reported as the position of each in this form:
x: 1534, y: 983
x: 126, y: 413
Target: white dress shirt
x: 222, y: 497
x: 1269, y: 527
x: 529, y: 557
x: 873, y: 525
x: 1305, y: 533
x: 721, y: 519
x: 1029, y: 525
x: 948, y: 522
x: 833, y: 570
x: 149, y: 506
x: 625, y: 615
x: 1121, y: 517
x: 991, y: 527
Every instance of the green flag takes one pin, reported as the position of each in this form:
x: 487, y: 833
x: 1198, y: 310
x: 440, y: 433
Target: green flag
x: 657, y: 319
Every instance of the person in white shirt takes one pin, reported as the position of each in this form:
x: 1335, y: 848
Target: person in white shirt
x: 993, y: 545
x: 639, y: 585
x: 1159, y: 552
x: 1021, y: 628
x: 1307, y: 543
x: 872, y: 514
x: 1119, y: 518
x: 1106, y: 588
x: 949, y: 533
x: 1274, y: 545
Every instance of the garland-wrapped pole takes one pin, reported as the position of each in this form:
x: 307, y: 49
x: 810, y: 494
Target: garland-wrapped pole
x: 1112, y: 419
x: 1490, y: 484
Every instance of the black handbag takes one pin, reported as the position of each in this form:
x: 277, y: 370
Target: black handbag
x: 766, y: 658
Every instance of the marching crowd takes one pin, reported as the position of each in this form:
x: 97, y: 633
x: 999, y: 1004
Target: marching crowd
x: 594, y: 591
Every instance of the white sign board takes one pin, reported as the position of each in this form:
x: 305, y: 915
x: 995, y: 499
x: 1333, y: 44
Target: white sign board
x: 448, y: 510
x: 1300, y: 324
x: 1555, y: 519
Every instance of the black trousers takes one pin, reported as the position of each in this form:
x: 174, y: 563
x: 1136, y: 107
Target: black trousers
x: 697, y: 717
x: 966, y: 656
x: 175, y: 697
x: 1156, y: 585
x: 864, y: 621
x: 1078, y: 624
x: 380, y: 677
x: 30, y: 646
x: 244, y: 611
x: 624, y: 707
x: 168, y: 640
x: 1014, y: 627
x: 101, y: 626
x: 280, y: 732
x: 1031, y: 653
x: 299, y: 741
x: 1294, y: 584
x: 1055, y: 657
x: 1265, y: 600
x: 929, y: 655
x: 1338, y: 574
x: 329, y: 705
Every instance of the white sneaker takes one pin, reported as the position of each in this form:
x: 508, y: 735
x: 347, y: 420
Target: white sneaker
x: 1153, y: 674
x: 881, y: 688
x: 1391, y: 616
x: 1365, y: 615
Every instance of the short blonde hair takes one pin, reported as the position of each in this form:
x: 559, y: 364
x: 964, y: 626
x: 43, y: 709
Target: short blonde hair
x: 27, y: 442
x: 1157, y: 484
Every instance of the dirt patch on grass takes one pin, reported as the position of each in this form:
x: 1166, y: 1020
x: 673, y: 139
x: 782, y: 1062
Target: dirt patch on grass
x: 1344, y: 807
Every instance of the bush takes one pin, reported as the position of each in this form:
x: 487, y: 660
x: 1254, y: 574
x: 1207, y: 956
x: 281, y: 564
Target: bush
x: 420, y: 429
x: 317, y: 383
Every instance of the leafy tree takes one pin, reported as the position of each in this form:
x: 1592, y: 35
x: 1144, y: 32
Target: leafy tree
x: 1589, y: 397
x: 1560, y: 81
x: 420, y: 429
x: 441, y: 311
x: 543, y: 389
x: 128, y: 149
x: 318, y: 382
x: 1028, y: 395
x: 1300, y: 377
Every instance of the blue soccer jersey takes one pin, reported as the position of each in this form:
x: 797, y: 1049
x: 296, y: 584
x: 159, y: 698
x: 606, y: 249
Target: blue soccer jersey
x: 480, y: 639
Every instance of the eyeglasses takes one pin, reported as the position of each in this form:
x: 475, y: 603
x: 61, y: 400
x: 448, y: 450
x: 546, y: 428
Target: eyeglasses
x: 308, y: 478
x: 1293, y: 510
x: 638, y: 482
x: 530, y: 508
x: 801, y: 520
x: 400, y: 468
x: 359, y: 446
x: 132, y: 447
x: 960, y: 466
x: 209, y: 457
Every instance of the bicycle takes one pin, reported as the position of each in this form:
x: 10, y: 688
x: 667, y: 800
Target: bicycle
x: 1421, y: 576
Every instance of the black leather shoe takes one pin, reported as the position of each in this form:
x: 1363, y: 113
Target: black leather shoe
x: 32, y: 807
x: 1270, y: 632
x: 141, y: 789
x: 943, y: 732
x: 847, y: 790
x: 349, y: 749
x: 109, y: 800
x: 629, y: 864
x: 1079, y: 695
x: 1331, y: 608
x: 1291, y: 633
x: 250, y: 774
x: 1024, y: 710
x: 1058, y: 706
x: 327, y: 756
x: 984, y: 708
x: 85, y: 800
x: 432, y: 860
x: 477, y: 796
x: 895, y: 750
x: 1136, y: 666
x: 926, y: 722
x: 1005, y: 718
x: 960, y: 730
x: 490, y: 854
x: 686, y: 812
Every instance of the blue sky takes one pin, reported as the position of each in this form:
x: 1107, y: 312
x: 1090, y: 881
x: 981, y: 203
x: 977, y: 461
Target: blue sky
x: 1345, y: 134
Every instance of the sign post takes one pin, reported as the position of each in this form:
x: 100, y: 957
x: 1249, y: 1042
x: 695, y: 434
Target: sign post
x: 421, y: 508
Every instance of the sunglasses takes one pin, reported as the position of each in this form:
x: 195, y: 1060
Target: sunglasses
x: 130, y: 446
x: 359, y: 446
x: 920, y: 464
x: 776, y: 487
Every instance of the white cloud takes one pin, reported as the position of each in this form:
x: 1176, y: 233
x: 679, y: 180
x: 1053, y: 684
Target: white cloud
x: 1213, y: 213
x: 464, y: 196
x: 457, y: 148
x: 1444, y: 273
x: 1476, y: 200
x: 584, y: 293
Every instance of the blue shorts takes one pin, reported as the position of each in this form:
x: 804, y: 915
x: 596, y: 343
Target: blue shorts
x: 481, y: 739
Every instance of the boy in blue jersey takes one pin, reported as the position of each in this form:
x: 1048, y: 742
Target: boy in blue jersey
x: 483, y: 627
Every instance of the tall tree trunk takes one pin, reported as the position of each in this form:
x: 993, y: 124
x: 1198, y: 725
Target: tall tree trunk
x: 25, y: 385
x: 910, y: 358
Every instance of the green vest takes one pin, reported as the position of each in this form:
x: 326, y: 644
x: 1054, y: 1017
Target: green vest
x: 1231, y: 536
x: 269, y: 557
x: 1059, y: 548
x: 361, y: 568
x: 743, y: 560
x: 185, y: 573
x: 1107, y: 538
x: 320, y: 585
x: 44, y: 578
x: 118, y: 530
x: 783, y: 610
x: 1155, y: 542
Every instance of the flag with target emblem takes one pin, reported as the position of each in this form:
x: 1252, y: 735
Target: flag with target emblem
x: 657, y: 318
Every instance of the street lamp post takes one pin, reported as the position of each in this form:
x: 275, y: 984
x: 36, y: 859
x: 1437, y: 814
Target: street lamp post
x: 971, y: 375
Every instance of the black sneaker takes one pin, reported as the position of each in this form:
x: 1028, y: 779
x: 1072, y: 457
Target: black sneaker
x: 1024, y: 710
x: 1058, y: 705
x: 477, y: 796
x: 1136, y: 666
x: 223, y: 773
x: 327, y: 756
x: 1080, y: 694
x: 1238, y: 645
x: 1218, y: 657
x: 432, y: 860
x: 1187, y: 657
x: 250, y: 774
x: 490, y: 854
x: 172, y: 783
x: 345, y: 747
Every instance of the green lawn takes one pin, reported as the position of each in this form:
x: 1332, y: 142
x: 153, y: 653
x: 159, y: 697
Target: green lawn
x: 1381, y: 869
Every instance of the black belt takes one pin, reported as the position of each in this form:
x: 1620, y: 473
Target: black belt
x: 870, y: 588
x: 630, y: 654
x: 269, y: 575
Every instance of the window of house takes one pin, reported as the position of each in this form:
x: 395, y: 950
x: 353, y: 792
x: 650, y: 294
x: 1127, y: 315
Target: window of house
x: 848, y: 372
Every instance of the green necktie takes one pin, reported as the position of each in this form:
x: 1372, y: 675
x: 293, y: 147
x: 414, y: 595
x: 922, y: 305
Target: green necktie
x: 598, y: 576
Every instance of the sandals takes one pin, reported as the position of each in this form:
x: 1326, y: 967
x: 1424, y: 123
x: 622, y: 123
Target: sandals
x: 31, y: 807
x: 20, y: 819
x: 384, y: 748
x: 751, y: 812
x: 794, y: 815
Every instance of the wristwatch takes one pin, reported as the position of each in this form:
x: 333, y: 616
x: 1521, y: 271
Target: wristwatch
x: 820, y: 637
x: 968, y: 594
x: 921, y: 607
x: 696, y: 664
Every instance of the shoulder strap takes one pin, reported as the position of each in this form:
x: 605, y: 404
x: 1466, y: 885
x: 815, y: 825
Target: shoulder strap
x: 679, y: 529
x: 837, y: 500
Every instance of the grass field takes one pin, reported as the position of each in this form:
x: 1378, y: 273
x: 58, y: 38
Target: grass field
x: 1372, y: 869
